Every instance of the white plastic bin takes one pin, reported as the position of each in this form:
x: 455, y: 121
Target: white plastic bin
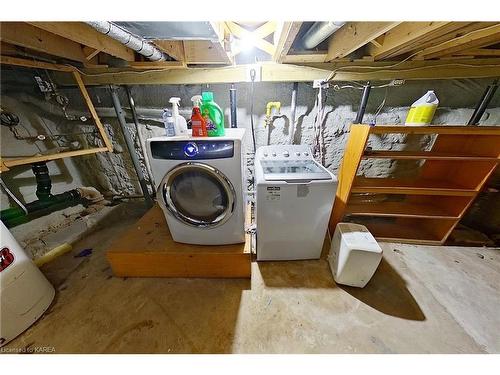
x: 354, y: 255
x: 25, y: 293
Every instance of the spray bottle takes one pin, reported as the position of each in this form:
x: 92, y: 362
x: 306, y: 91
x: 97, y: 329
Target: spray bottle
x: 198, y: 124
x: 169, y: 123
x: 180, y: 122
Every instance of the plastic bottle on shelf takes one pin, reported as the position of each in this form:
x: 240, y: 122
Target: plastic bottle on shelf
x: 198, y: 124
x: 422, y: 111
x: 169, y: 123
x: 213, y: 115
x: 180, y: 122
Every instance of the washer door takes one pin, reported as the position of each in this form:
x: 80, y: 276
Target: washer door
x: 198, y: 195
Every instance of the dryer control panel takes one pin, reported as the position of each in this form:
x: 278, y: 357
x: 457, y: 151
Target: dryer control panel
x: 192, y: 150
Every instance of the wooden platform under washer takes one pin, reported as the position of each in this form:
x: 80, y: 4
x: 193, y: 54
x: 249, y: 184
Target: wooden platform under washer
x: 147, y: 250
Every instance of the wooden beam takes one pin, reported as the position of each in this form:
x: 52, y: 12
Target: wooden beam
x: 284, y: 39
x: 412, y: 70
x: 410, y: 33
x: 205, y: 52
x: 84, y: 34
x: 272, y: 72
x: 478, y: 52
x: 242, y: 33
x: 9, y: 163
x: 25, y: 35
x: 145, y: 65
x: 318, y: 57
x: 7, y: 60
x: 173, y: 48
x: 447, y: 33
x: 475, y: 39
x: 93, y: 112
x: 90, y: 52
x: 354, y: 35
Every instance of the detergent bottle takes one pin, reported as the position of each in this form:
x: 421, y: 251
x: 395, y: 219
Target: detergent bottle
x: 180, y: 122
x: 213, y: 115
x: 169, y: 123
x: 422, y: 111
x: 198, y: 124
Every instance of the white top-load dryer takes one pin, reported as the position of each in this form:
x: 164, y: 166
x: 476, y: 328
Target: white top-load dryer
x: 295, y: 196
x: 199, y: 182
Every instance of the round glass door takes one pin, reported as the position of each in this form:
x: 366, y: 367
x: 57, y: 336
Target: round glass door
x: 198, y: 194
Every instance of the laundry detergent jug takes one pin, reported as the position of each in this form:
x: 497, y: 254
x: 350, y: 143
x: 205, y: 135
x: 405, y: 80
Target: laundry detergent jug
x: 213, y: 115
x: 422, y: 111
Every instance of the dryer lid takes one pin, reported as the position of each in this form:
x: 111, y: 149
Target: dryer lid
x: 293, y: 170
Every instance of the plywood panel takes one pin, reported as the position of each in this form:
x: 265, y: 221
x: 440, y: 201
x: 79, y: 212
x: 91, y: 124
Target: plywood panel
x: 148, y: 250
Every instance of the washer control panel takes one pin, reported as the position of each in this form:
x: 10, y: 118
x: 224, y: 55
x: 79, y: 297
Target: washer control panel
x: 284, y: 152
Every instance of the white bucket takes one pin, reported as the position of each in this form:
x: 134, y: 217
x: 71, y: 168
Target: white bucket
x: 25, y: 293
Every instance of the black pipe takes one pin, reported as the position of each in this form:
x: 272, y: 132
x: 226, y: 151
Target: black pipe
x: 16, y: 215
x: 139, y: 137
x: 232, y: 102
x: 43, y: 182
x: 362, y: 106
x: 130, y: 146
x: 483, y: 103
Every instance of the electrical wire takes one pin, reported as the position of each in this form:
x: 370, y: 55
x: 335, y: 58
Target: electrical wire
x: 377, y: 112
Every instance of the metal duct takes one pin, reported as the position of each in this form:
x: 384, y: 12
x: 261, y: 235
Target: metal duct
x: 128, y: 39
x: 318, y: 32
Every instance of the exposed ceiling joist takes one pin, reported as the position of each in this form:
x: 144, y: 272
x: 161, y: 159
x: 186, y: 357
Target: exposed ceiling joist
x: 301, y: 58
x: 206, y: 52
x: 354, y: 35
x: 408, y: 34
x: 475, y: 39
x: 479, y: 52
x: 84, y: 34
x: 24, y: 35
x: 284, y: 37
x: 173, y: 48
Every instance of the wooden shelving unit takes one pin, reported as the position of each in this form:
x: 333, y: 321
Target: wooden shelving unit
x: 424, y: 208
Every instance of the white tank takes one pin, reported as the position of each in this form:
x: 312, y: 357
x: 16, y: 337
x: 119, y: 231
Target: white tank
x: 25, y: 293
x: 354, y: 255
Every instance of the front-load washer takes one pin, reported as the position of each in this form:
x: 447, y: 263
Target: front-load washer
x: 199, y: 183
x: 294, y: 196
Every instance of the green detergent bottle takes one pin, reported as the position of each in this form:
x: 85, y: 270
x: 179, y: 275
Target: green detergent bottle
x: 213, y: 115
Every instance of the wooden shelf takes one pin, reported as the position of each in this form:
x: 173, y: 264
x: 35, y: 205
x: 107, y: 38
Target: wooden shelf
x: 398, y: 209
x: 431, y: 203
x: 411, y: 230
x: 427, y: 155
x: 402, y: 233
x: 409, y: 186
x: 435, y: 129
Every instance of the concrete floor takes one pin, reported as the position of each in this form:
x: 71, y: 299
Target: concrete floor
x: 422, y: 299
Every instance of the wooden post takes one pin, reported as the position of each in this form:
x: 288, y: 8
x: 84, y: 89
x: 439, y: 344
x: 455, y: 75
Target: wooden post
x: 358, y: 136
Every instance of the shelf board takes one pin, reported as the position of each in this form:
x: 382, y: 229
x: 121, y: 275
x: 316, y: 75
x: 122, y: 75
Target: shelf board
x: 436, y: 129
x: 398, y: 209
x: 409, y: 186
x: 428, y: 155
x: 402, y: 233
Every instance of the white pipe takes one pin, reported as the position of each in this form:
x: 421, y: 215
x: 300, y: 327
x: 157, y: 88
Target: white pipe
x: 318, y: 32
x: 293, y: 110
x: 128, y: 39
